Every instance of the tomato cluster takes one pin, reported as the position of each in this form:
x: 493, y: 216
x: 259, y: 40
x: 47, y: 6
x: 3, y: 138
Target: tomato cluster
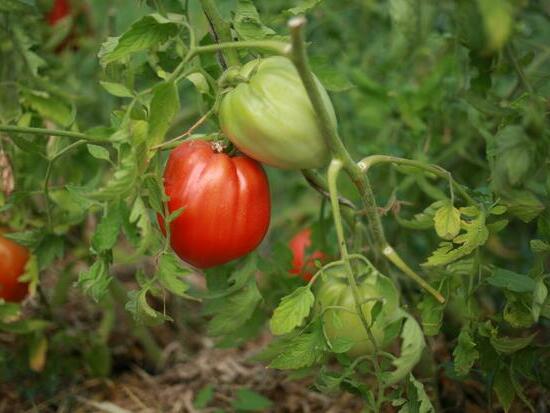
x: 224, y: 201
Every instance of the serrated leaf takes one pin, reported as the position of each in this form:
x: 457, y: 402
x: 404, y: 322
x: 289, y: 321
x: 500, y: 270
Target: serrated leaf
x: 447, y: 221
x: 234, y: 310
x: 301, y: 351
x: 291, y: 311
x: 169, y: 273
x: 95, y: 282
x: 303, y: 6
x: 412, y: 346
x: 247, y: 22
x: 465, y: 353
x: 107, y: 231
x: 475, y: 235
x: 539, y: 246
x: 145, y: 33
x: 121, y: 183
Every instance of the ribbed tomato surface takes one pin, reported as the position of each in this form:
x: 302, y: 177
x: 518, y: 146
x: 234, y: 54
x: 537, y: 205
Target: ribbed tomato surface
x: 13, y: 258
x: 226, y: 204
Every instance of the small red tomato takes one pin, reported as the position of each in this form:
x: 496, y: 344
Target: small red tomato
x: 60, y: 10
x: 225, y: 200
x: 301, y: 265
x: 13, y: 258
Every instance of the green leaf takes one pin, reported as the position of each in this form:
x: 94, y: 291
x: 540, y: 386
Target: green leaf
x: 447, y: 221
x: 475, y: 235
x: 303, y: 6
x: 145, y: 33
x: 431, y: 313
x: 300, y: 351
x: 332, y: 78
x: 509, y: 345
x: 98, y: 152
x: 17, y: 6
x: 539, y: 246
x: 50, y: 107
x: 117, y: 89
x: 140, y: 308
x: 25, y: 45
x: 164, y: 106
x: 418, y: 401
x: 412, y: 346
x: 250, y: 401
x: 523, y: 205
x: 169, y: 273
x: 465, y: 353
x: 247, y: 22
x: 292, y: 311
x: 234, y: 310
x: 122, y: 183
x: 107, y: 231
x: 504, y: 387
x: 95, y: 282
x: 204, y: 397
x: 512, y: 281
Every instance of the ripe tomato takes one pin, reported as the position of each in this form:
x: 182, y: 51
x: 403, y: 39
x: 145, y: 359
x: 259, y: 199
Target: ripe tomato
x: 270, y: 117
x: 13, y: 258
x: 336, y: 305
x: 226, y: 204
x: 60, y: 10
x: 301, y: 265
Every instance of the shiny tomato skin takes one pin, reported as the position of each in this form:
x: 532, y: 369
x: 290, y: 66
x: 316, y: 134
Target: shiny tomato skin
x: 226, y: 201
x: 60, y: 10
x: 13, y: 258
x: 270, y: 117
x: 302, y: 265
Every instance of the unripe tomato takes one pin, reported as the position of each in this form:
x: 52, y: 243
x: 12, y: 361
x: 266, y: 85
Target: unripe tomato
x: 13, y: 258
x: 226, y: 204
x: 344, y: 322
x: 270, y: 117
x: 302, y: 265
x: 60, y: 10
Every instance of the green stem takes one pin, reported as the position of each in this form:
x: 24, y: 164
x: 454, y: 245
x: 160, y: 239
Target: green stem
x: 366, y: 163
x: 333, y: 171
x: 297, y: 53
x: 44, y: 131
x: 221, y: 30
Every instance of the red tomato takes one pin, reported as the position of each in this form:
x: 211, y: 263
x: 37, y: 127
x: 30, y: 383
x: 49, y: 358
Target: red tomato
x: 301, y: 265
x: 13, y: 258
x: 60, y: 9
x: 226, y: 204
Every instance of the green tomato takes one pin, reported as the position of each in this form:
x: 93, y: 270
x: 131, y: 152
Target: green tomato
x: 344, y: 322
x: 271, y: 119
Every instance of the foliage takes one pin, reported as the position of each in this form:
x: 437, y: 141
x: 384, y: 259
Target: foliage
x: 453, y: 94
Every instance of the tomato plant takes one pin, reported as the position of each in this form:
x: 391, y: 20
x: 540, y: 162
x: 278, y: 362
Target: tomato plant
x: 13, y: 258
x: 224, y: 203
x: 432, y: 189
x: 303, y: 264
x: 269, y: 117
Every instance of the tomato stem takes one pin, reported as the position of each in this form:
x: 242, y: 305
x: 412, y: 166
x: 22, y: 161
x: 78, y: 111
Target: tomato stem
x: 297, y: 53
x: 221, y: 31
